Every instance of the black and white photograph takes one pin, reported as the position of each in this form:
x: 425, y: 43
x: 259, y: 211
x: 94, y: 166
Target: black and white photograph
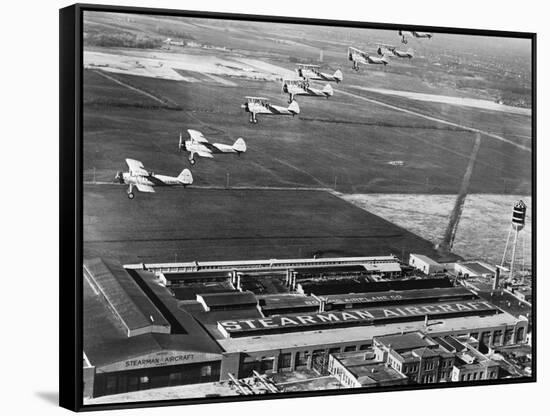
x: 279, y: 208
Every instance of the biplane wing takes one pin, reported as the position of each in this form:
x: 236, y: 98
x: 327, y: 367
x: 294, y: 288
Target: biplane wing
x: 136, y: 168
x: 144, y: 188
x: 197, y: 136
x: 204, y: 153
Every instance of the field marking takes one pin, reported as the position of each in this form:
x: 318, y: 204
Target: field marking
x: 244, y: 187
x: 290, y: 165
x: 220, y: 80
x: 104, y: 75
x: 437, y: 120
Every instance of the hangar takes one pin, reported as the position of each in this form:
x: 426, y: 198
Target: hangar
x: 131, y: 344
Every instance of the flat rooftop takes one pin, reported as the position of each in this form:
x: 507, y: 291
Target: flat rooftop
x: 339, y: 286
x: 425, y: 259
x: 227, y: 299
x: 477, y: 267
x: 408, y: 341
x: 379, y: 373
x: 330, y: 269
x: 356, y: 317
x: 354, y: 335
x: 401, y: 296
x: 286, y: 301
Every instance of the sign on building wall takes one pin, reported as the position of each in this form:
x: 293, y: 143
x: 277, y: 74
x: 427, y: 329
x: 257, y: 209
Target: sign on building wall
x: 160, y: 359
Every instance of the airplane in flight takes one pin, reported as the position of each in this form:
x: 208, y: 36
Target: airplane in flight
x: 144, y: 180
x: 390, y: 49
x: 259, y: 105
x: 419, y: 35
x: 313, y: 72
x: 200, y: 146
x: 359, y: 57
x: 294, y: 87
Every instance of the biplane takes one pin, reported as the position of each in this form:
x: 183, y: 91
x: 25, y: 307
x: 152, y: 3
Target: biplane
x: 359, y: 57
x: 200, y: 146
x: 390, y: 49
x: 145, y: 181
x: 294, y: 87
x: 419, y: 35
x: 314, y: 72
x: 260, y: 105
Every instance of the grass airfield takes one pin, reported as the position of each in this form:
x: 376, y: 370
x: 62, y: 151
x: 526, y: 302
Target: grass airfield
x: 234, y: 224
x: 132, y: 110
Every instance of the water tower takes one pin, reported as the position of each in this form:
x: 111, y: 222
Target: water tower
x: 518, y: 223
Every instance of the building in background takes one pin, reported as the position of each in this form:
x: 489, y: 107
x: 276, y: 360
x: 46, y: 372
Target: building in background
x: 425, y: 264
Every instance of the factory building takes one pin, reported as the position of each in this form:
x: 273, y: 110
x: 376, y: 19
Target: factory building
x: 361, y: 369
x: 132, y: 344
x: 417, y: 356
x: 414, y: 357
x: 159, y: 325
x: 425, y: 264
x: 474, y: 269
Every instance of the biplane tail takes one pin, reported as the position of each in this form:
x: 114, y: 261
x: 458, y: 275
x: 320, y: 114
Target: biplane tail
x: 338, y: 76
x: 185, y: 177
x: 239, y: 146
x: 294, y: 108
x: 328, y: 91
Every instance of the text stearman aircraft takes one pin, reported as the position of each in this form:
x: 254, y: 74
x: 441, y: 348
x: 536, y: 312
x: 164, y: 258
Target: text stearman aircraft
x: 144, y: 181
x: 404, y: 34
x: 389, y: 49
x: 259, y: 105
x: 294, y: 87
x: 313, y: 72
x: 359, y: 57
x: 200, y: 146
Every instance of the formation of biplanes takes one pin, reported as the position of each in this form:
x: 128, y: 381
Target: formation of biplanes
x: 197, y: 145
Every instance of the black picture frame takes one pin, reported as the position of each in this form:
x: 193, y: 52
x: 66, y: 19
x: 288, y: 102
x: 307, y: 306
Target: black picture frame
x: 71, y: 200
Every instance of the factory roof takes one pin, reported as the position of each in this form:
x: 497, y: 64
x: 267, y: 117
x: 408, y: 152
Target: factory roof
x: 339, y: 286
x: 450, y: 343
x: 401, y: 296
x: 354, y: 335
x: 367, y: 370
x: 383, y: 267
x: 261, y: 264
x: 227, y: 299
x: 106, y: 341
x: 377, y: 373
x: 477, y: 268
x: 408, y: 341
x: 134, y: 309
x: 356, y: 358
x: 286, y: 301
x: 353, y: 268
x: 425, y: 259
x: 189, y: 291
x: 196, y: 275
